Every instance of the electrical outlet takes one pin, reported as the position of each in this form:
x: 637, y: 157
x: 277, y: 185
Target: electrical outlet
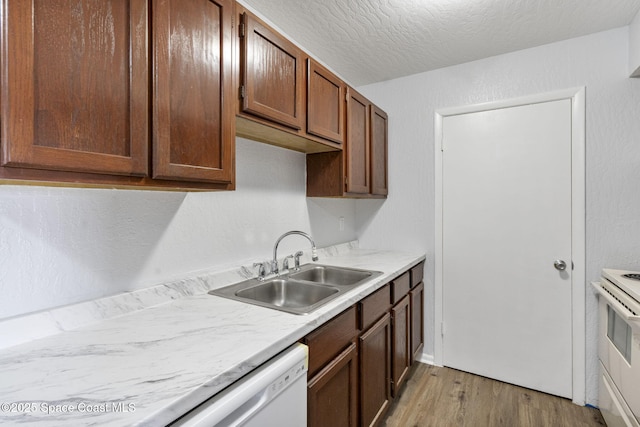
x: 341, y: 223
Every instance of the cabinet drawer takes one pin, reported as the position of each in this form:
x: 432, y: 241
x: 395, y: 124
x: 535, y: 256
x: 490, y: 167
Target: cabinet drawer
x: 328, y: 340
x: 400, y: 287
x: 374, y: 306
x: 417, y: 274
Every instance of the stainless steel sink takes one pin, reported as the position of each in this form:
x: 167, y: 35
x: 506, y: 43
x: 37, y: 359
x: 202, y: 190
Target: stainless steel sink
x: 337, y: 276
x: 287, y: 293
x: 299, y: 292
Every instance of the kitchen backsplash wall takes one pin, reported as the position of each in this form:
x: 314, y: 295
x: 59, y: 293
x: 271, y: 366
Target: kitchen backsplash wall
x: 600, y: 63
x: 64, y: 245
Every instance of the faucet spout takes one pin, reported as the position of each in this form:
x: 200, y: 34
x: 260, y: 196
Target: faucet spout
x: 274, y: 262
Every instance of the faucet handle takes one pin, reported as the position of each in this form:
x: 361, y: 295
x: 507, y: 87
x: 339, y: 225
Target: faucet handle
x: 285, y: 263
x: 262, y: 269
x: 297, y: 260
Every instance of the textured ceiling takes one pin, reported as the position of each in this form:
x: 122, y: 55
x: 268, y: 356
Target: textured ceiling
x: 367, y: 41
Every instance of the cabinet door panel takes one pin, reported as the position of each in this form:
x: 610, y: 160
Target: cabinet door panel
x: 401, y: 339
x: 325, y: 103
x: 357, y: 144
x: 332, y: 393
x: 193, y: 133
x: 273, y: 75
x: 379, y: 152
x: 417, y: 320
x: 75, y: 86
x: 375, y: 372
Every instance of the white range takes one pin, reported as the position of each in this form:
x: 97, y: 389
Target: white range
x: 619, y: 347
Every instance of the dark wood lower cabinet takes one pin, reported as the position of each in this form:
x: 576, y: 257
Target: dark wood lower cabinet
x: 401, y: 343
x: 375, y: 372
x: 332, y: 393
x: 360, y: 359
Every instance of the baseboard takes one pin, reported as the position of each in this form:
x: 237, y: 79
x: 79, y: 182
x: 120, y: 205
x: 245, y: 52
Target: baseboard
x: 427, y: 359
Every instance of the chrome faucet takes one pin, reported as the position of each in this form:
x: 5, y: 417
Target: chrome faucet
x: 274, y: 262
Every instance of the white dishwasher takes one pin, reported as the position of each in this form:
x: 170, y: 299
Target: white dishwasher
x: 273, y: 395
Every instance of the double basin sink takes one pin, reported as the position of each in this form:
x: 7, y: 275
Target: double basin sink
x: 298, y: 292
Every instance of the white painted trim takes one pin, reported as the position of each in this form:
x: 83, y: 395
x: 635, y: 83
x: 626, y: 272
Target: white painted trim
x: 578, y: 244
x: 578, y: 218
x: 426, y: 359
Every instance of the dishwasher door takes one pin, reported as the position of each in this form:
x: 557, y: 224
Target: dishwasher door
x: 274, y: 394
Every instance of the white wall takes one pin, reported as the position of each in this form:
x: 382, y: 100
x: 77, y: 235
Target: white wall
x: 634, y: 46
x: 598, y: 62
x: 64, y: 245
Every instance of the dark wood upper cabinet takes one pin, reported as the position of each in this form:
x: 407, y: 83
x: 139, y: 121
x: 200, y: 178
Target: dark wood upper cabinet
x: 274, y: 79
x: 379, y: 137
x: 89, y: 90
x: 75, y: 85
x: 272, y: 70
x: 193, y: 112
x: 357, y: 145
x: 325, y: 103
x: 360, y: 169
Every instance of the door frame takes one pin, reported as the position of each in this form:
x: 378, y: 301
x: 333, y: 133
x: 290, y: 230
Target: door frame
x: 578, y: 223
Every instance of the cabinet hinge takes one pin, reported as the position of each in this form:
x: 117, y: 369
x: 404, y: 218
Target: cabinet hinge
x: 241, y: 29
x: 243, y: 92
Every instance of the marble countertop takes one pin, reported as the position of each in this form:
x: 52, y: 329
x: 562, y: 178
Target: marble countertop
x: 151, y: 365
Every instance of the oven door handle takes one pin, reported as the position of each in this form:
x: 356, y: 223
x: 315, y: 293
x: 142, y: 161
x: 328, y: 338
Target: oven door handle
x: 620, y: 308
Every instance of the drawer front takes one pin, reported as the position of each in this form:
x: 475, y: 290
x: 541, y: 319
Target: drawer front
x: 374, y: 306
x: 400, y: 287
x: 417, y: 274
x: 330, y: 339
x: 613, y: 407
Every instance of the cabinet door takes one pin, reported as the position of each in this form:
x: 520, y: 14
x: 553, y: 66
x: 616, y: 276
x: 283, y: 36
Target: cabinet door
x: 193, y: 115
x: 375, y: 372
x: 417, y: 320
x: 74, y: 85
x: 325, y: 103
x: 273, y: 75
x: 357, y: 144
x: 401, y: 339
x: 379, y: 135
x: 332, y: 393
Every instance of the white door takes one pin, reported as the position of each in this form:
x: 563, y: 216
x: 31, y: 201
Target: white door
x: 506, y: 200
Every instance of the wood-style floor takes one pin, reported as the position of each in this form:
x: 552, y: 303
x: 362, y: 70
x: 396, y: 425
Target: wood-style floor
x: 443, y: 397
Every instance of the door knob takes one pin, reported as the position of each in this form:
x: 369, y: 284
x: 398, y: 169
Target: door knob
x: 560, y: 265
